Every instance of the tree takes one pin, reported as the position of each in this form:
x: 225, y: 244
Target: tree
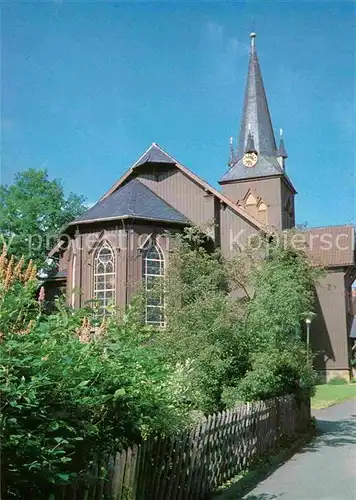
x: 204, y: 328
x: 281, y: 284
x: 236, y: 322
x: 284, y: 291
x: 32, y: 212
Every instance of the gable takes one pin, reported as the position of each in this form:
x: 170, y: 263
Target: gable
x: 182, y: 193
x: 188, y: 186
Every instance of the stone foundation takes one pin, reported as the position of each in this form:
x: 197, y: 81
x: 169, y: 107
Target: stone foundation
x: 325, y: 376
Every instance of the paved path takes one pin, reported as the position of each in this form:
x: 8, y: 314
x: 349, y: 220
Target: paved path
x: 325, y: 469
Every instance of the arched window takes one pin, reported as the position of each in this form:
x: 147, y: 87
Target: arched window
x: 251, y: 200
x: 262, y: 213
x: 153, y: 274
x: 104, y: 277
x: 255, y: 206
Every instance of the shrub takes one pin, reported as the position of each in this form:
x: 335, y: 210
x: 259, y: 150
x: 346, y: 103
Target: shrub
x: 63, y: 399
x: 337, y: 381
x: 247, y: 347
x: 353, y: 362
x: 276, y: 372
x: 65, y: 396
x: 203, y: 325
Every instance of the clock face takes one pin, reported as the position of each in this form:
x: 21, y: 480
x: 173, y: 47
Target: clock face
x: 249, y: 159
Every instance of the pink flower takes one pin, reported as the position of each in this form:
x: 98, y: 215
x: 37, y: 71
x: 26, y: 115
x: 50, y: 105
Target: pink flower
x: 41, y: 296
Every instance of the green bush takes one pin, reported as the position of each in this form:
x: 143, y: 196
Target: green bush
x: 65, y: 397
x: 337, y: 381
x: 353, y: 362
x: 203, y: 328
x: 66, y: 394
x: 276, y: 372
x: 243, y: 348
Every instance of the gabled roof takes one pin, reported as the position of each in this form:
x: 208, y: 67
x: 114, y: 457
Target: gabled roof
x: 203, y: 184
x: 154, y: 154
x: 135, y: 200
x: 331, y: 246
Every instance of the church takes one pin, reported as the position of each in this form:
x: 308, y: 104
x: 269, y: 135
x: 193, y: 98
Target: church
x: 122, y: 242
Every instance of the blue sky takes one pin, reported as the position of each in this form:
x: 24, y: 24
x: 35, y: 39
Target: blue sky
x: 88, y: 86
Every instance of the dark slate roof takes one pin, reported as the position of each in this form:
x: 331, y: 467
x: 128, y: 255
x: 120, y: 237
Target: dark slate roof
x: 353, y: 329
x: 256, y: 122
x: 155, y: 154
x: 136, y: 200
x: 265, y: 166
x: 255, y: 116
x: 282, y: 149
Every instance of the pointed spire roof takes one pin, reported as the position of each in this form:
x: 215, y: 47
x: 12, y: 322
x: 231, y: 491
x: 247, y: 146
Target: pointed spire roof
x: 256, y: 131
x: 281, y: 151
x: 255, y: 116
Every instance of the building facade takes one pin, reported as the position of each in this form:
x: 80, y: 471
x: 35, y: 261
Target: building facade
x: 122, y: 241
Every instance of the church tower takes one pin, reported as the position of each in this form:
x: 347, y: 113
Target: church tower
x: 257, y: 179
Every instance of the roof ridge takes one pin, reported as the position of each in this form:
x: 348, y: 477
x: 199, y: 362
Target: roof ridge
x: 155, y: 144
x: 143, y: 154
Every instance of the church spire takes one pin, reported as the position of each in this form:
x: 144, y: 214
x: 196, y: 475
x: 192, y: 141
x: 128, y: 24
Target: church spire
x: 282, y: 154
x: 250, y: 143
x: 256, y: 119
x: 281, y: 151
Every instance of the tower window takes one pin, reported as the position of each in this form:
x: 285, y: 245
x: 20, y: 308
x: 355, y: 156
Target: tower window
x: 104, y: 277
x: 254, y: 206
x: 153, y: 276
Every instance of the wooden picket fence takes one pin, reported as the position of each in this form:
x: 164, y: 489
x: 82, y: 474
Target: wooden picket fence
x: 192, y: 465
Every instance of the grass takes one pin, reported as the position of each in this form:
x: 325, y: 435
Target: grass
x: 327, y: 395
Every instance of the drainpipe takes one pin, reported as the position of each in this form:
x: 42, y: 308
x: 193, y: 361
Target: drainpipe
x: 127, y: 266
